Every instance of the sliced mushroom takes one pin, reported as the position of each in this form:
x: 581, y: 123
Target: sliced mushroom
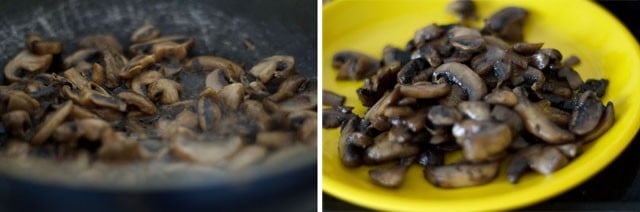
x: 209, y: 113
x: 211, y: 152
x: 75, y: 78
x: 80, y: 56
x: 246, y: 157
x: 136, y: 65
x: 232, y: 71
x: 572, y: 77
x: 392, y: 55
x: 172, y: 50
x: 334, y: 117
x: 350, y: 154
x: 606, y: 121
x: 39, y: 46
x: 507, y: 23
x: 215, y: 80
x: 545, y: 159
x: 49, y: 125
x: 145, y: 33
x: 571, y: 150
x: 461, y: 175
x: 78, y: 112
x: 302, y: 101
x: 28, y: 62
x: 114, y: 64
x: 277, y: 66
x: 139, y: 101
x: 275, y: 139
x: 232, y: 95
x: 390, y: 177
x: 518, y: 165
x: 139, y: 84
x: 165, y: 90
x: 388, y: 149
x: 288, y: 88
x: 464, y: 77
x: 18, y: 100
x: 431, y: 157
x: 463, y: 9
x: 475, y: 110
x: 484, y: 62
x: 507, y: 116
x: 425, y: 90
x: 440, y: 115
x: 122, y: 151
x: 537, y: 123
x: 426, y: 34
x: 89, y: 129
x: 354, y: 65
x: 586, y: 114
x: 527, y: 48
x: 481, y: 141
x: 17, y: 122
x: 501, y: 97
x: 332, y: 99
x: 466, y: 39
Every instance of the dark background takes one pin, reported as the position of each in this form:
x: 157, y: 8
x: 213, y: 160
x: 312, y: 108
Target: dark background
x: 617, y: 187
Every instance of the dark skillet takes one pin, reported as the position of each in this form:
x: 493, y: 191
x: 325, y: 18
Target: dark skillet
x: 220, y: 27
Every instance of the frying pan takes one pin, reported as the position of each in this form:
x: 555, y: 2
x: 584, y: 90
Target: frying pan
x: 220, y: 28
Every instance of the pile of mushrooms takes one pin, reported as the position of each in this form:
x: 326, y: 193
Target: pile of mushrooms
x: 152, y: 101
x: 454, y: 89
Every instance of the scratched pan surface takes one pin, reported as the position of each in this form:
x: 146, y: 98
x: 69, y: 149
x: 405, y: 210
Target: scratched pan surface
x: 219, y: 27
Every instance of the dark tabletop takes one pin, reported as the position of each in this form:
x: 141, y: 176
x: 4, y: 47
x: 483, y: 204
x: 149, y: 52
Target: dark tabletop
x: 615, y: 188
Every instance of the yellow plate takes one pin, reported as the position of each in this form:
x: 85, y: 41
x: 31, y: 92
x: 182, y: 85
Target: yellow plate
x: 582, y: 28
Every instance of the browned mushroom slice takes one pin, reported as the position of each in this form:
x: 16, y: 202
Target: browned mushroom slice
x: 431, y: 157
x: 78, y: 112
x: 390, y: 177
x: 26, y: 61
x: 570, y: 150
x: 275, y: 139
x: 308, y: 131
x: 441, y: 115
x: 392, y: 55
x: 461, y: 174
x: 232, y: 71
x: 425, y: 90
x: 17, y: 122
x: 303, y: 101
x: 527, y: 48
x: 49, y: 125
x: 555, y: 115
x: 464, y: 77
x: 518, y: 165
x: 232, y: 95
x: 481, y: 140
x: 388, y: 149
x: 475, y: 110
x: 278, y: 66
x: 139, y: 101
x: 172, y: 50
x: 215, y: 80
x: 466, y: 39
x: 501, y: 97
x: 506, y: 115
x: 122, y: 151
x: 332, y: 99
x: 288, y: 88
x: 334, y: 117
x: 136, y: 65
x: 75, y: 78
x: 101, y: 99
x: 209, y: 113
x: 537, y: 123
x: 105, y: 43
x: 463, y: 9
x: 114, y: 64
x: 89, y: 129
x: 165, y: 90
x: 79, y: 57
x: 426, y: 34
x: 18, y: 100
x: 39, y: 46
x: 145, y: 33
x: 606, y: 121
x: 484, y: 62
x: 507, y: 23
x: 206, y: 152
x: 572, y: 77
x: 139, y: 84
x: 545, y: 159
x: 350, y: 155
x: 586, y: 114
x: 246, y: 157
x: 378, y: 109
x: 354, y: 65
